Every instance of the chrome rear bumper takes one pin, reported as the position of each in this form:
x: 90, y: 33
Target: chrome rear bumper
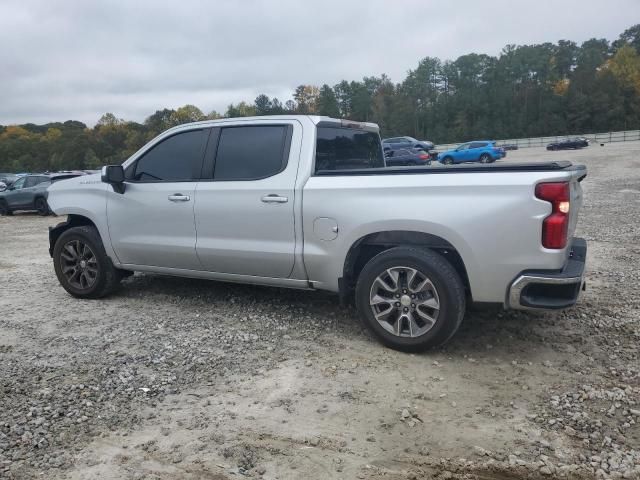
x: 540, y: 290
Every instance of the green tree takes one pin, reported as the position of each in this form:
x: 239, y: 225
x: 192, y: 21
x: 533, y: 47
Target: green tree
x: 186, y: 114
x: 262, y: 105
x: 306, y: 97
x: 327, y: 102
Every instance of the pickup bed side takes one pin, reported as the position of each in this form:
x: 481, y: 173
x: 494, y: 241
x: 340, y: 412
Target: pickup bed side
x: 493, y: 220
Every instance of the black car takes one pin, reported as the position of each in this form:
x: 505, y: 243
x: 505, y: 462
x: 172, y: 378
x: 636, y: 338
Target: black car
x: 509, y: 146
x: 569, y: 144
x: 405, y: 156
x: 29, y: 192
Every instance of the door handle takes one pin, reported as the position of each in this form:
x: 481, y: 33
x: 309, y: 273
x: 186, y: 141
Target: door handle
x: 273, y: 198
x: 178, y: 197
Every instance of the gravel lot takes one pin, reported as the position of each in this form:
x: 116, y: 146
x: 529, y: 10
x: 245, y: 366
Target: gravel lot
x: 175, y: 378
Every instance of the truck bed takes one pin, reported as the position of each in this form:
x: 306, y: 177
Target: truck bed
x: 465, y: 168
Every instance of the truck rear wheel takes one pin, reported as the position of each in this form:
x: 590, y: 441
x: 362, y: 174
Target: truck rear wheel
x: 411, y: 298
x: 82, y: 265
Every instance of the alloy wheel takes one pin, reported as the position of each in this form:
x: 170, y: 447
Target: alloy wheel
x: 79, y: 264
x: 404, y: 301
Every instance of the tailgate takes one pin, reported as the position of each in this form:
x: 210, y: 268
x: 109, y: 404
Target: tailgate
x: 578, y: 173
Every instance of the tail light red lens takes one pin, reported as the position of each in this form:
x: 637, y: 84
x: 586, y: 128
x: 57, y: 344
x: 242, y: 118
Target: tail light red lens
x: 555, y: 227
x: 423, y: 156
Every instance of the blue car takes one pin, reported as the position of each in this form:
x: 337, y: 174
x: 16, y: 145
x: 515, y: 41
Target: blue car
x: 484, y: 151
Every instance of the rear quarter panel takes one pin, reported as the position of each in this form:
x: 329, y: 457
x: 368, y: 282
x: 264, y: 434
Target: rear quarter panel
x: 492, y: 219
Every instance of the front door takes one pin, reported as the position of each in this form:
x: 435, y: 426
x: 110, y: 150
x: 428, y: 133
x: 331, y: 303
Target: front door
x: 152, y: 222
x: 15, y: 195
x: 245, y: 211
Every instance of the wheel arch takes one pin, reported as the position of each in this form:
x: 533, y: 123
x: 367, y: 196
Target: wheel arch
x: 370, y: 245
x: 72, y: 221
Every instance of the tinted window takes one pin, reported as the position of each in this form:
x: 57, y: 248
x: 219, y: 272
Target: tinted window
x: 344, y: 148
x: 177, y: 158
x: 30, y: 182
x: 251, y: 153
x: 478, y: 145
x: 19, y: 183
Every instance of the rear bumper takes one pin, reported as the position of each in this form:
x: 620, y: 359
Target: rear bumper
x: 551, y: 290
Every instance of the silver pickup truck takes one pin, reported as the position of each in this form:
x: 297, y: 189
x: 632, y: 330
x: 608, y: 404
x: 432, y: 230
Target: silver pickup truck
x: 306, y: 202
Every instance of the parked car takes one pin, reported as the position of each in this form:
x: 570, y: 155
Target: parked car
x: 6, y: 179
x: 484, y: 151
x: 405, y: 156
x: 569, y: 144
x: 509, y: 146
x: 305, y: 202
x: 397, y: 143
x: 29, y: 192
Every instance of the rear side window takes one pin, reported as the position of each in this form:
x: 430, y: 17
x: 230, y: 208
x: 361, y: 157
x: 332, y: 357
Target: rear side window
x: 30, y: 182
x: 175, y: 159
x: 251, y: 152
x: 33, y: 181
x: 346, y: 148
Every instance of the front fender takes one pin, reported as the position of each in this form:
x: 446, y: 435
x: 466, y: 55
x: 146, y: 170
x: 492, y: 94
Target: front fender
x: 54, y: 234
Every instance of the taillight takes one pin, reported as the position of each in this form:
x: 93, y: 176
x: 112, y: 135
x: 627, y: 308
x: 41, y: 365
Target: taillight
x: 423, y: 156
x: 556, y: 226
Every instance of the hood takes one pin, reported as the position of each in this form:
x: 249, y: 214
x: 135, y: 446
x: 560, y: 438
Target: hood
x: 80, y: 181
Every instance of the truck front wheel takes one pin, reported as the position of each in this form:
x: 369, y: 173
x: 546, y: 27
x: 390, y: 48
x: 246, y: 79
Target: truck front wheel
x: 411, y: 298
x: 82, y: 265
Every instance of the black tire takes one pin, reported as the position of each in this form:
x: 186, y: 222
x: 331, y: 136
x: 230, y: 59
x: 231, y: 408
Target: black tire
x: 447, y: 161
x: 41, y: 206
x: 107, y: 278
x: 4, y: 208
x: 445, y: 279
x: 485, y: 158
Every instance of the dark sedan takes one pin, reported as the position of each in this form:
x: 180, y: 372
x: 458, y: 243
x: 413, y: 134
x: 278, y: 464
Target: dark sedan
x: 569, y: 144
x: 397, y: 143
x: 29, y: 192
x: 396, y: 158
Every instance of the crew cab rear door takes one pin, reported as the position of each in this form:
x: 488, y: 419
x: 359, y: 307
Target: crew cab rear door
x: 244, y: 205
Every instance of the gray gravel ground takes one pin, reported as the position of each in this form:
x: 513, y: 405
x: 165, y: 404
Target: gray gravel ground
x: 175, y: 378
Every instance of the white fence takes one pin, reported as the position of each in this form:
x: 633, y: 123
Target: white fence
x: 607, y: 137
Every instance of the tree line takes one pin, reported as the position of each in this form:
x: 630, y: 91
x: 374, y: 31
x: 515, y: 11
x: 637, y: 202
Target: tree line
x: 526, y: 91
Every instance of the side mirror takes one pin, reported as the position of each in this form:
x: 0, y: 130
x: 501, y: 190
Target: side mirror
x: 114, y: 176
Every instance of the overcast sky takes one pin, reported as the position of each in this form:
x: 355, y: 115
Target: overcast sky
x: 77, y: 59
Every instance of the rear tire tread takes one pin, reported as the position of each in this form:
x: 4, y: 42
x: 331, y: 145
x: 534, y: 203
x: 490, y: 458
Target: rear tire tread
x: 449, y: 286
